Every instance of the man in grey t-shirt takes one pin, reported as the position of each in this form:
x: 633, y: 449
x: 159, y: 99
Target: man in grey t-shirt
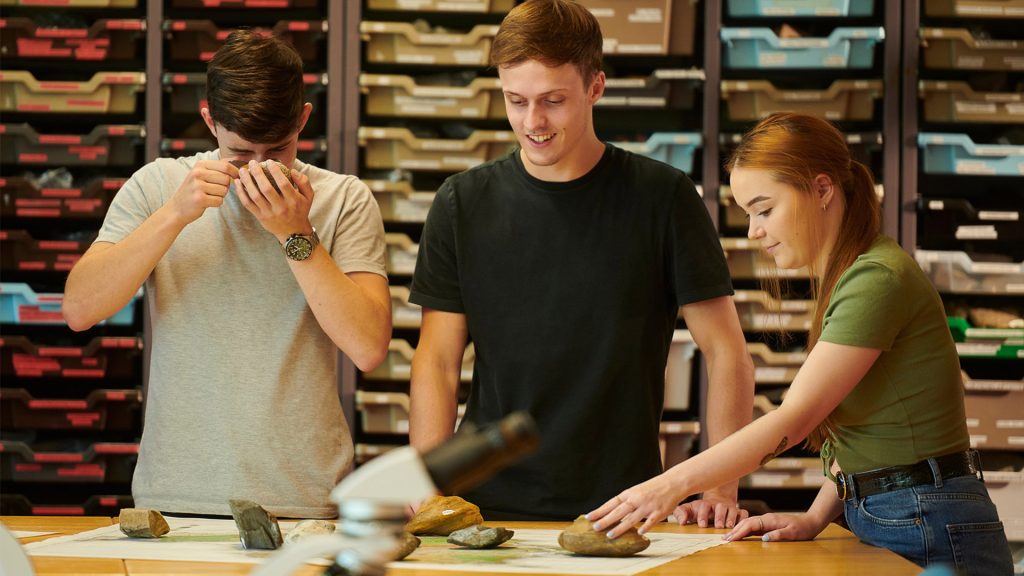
x: 249, y: 300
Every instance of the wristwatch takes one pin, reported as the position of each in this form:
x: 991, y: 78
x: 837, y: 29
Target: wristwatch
x: 300, y: 247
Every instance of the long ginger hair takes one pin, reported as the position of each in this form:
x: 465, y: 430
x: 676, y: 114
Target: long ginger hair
x: 795, y: 149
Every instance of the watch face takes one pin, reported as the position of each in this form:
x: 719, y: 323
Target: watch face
x: 298, y: 248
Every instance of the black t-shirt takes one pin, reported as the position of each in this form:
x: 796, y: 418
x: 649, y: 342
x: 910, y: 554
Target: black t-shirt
x: 570, y: 292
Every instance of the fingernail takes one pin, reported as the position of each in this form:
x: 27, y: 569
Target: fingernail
x: 597, y: 527
x: 587, y: 516
x: 766, y: 538
x: 727, y: 537
x: 641, y: 531
x: 609, y: 535
x: 702, y: 524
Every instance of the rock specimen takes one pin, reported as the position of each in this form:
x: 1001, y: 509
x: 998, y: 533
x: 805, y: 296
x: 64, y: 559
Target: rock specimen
x: 266, y: 170
x: 582, y: 539
x: 142, y: 523
x: 308, y: 528
x: 990, y: 318
x: 480, y: 537
x: 442, y: 515
x: 257, y: 528
x: 409, y: 543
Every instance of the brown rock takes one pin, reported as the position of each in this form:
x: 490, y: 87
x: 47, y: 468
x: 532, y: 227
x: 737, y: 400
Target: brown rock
x: 581, y: 538
x: 442, y: 515
x: 266, y: 170
x: 989, y: 318
x: 409, y: 544
x: 142, y: 523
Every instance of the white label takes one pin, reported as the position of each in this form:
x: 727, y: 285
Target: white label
x: 1014, y: 424
x: 978, y: 439
x: 766, y: 374
x: 973, y: 422
x: 976, y: 233
x: 1015, y: 440
x: 936, y: 205
x: 761, y: 479
x: 999, y: 215
x: 402, y: 426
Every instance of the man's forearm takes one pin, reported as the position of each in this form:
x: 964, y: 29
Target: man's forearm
x: 104, y: 280
x: 357, y: 322
x: 433, y: 405
x: 730, y: 401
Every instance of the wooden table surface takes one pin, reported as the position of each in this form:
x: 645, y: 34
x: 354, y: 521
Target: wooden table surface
x: 834, y: 551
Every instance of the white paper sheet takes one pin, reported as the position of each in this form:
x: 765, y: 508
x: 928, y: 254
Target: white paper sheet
x: 29, y: 533
x: 215, y: 540
x: 533, y: 551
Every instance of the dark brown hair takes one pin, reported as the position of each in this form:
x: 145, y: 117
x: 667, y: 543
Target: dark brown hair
x: 795, y: 148
x: 552, y: 32
x: 254, y: 86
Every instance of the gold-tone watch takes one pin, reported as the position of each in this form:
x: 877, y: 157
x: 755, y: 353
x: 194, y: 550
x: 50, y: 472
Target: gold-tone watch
x: 299, y: 246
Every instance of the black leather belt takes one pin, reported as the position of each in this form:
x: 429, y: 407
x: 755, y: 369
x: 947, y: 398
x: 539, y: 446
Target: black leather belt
x: 864, y: 484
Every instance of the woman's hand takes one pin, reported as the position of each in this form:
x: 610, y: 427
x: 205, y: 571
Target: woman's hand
x: 777, y: 527
x: 652, y: 500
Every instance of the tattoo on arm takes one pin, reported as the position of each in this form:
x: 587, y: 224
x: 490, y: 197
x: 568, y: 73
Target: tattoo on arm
x: 778, y: 450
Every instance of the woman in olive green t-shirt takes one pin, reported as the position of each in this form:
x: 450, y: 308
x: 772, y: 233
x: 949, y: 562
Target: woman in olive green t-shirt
x: 880, y: 393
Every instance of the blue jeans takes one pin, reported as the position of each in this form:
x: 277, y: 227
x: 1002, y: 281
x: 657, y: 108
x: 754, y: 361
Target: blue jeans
x: 950, y: 522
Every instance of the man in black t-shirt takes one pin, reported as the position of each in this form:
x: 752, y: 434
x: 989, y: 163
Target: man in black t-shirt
x: 566, y: 263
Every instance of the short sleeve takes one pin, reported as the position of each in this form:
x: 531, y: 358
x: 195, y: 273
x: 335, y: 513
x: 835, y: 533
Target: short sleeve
x: 359, y: 236
x: 129, y: 208
x: 696, y: 260
x: 867, y: 308
x: 435, y: 283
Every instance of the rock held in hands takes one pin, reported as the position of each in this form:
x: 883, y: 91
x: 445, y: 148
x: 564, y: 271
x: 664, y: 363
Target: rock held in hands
x: 442, y: 515
x: 582, y: 539
x: 142, y: 523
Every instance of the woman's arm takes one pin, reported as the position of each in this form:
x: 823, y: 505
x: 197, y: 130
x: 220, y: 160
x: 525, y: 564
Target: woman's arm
x: 828, y: 375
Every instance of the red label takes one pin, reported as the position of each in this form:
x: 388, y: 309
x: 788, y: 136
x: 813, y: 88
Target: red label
x: 33, y: 157
x: 178, y: 25
x: 91, y: 470
x: 33, y: 107
x: 108, y: 501
x: 58, y: 457
x: 62, y: 32
x: 59, y: 139
x: 298, y: 26
x: 21, y: 467
x: 58, y: 511
x: 117, y: 131
x: 116, y: 448
x: 31, y: 265
x: 83, y: 373
x: 58, y: 404
x: 116, y: 396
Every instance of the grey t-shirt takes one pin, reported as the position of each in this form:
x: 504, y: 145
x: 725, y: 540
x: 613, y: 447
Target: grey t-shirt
x: 242, y: 399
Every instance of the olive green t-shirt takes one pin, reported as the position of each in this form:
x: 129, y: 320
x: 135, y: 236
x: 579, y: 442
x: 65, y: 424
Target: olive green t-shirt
x: 910, y: 404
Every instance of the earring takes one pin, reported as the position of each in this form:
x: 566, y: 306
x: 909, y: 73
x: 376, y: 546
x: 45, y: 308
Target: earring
x: 823, y: 206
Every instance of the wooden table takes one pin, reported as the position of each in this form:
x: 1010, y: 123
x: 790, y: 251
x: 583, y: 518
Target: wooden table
x: 834, y: 551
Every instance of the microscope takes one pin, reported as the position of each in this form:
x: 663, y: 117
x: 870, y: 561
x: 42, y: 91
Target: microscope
x: 372, y: 501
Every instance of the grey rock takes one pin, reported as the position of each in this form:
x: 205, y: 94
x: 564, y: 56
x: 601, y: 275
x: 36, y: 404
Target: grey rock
x: 308, y: 528
x: 257, y: 528
x: 142, y: 523
x: 480, y: 537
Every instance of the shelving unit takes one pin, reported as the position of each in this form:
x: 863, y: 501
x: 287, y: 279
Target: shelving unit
x: 682, y: 96
x: 72, y: 94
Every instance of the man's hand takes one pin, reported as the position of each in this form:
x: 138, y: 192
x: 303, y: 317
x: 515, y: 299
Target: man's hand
x: 721, y: 508
x: 282, y: 214
x: 205, y: 187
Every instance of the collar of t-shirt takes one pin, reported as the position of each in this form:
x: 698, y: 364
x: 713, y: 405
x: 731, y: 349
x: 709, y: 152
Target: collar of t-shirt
x: 594, y: 175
